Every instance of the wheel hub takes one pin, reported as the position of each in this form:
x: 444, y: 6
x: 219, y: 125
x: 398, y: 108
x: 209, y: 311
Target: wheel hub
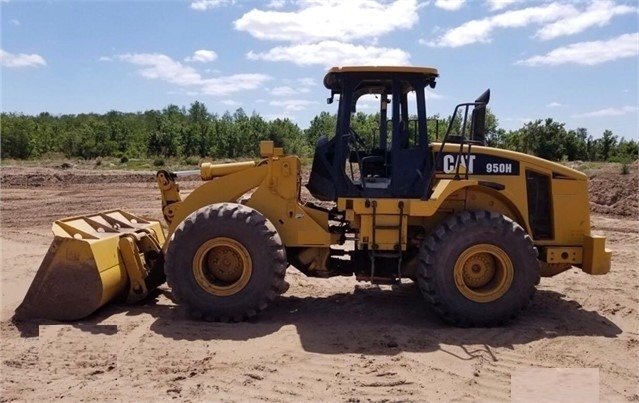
x: 222, y: 266
x: 483, y: 273
x: 478, y: 270
x: 224, y: 263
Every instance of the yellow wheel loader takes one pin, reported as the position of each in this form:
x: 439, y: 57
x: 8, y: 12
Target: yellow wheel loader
x: 474, y: 226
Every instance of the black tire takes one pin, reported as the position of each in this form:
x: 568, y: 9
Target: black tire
x: 478, y: 268
x: 225, y: 230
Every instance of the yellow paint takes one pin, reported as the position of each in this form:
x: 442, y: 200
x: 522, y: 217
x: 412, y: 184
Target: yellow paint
x: 596, y: 258
x: 222, y: 266
x: 92, y: 260
x: 209, y: 171
x: 275, y: 184
x: 483, y: 273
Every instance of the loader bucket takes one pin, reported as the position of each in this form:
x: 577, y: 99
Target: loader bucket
x: 92, y: 260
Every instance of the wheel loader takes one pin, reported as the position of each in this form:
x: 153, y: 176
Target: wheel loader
x: 475, y: 227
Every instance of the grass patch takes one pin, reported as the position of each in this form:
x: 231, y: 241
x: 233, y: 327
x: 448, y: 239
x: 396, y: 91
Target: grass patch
x: 125, y: 162
x: 192, y: 161
x: 625, y: 169
x: 588, y: 166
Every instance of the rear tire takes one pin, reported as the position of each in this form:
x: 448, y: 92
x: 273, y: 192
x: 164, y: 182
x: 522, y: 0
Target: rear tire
x: 225, y: 262
x: 478, y: 268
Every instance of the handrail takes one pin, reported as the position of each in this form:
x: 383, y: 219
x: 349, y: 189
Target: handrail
x: 440, y: 156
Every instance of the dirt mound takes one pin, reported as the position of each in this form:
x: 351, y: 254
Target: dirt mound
x: 47, y: 177
x: 614, y: 194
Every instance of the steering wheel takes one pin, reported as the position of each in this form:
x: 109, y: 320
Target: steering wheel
x: 356, y: 138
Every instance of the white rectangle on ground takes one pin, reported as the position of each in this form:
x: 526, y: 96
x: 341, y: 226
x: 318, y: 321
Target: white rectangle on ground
x: 546, y: 385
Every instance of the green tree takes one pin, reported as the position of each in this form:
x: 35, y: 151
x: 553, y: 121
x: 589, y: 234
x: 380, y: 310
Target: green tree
x: 176, y: 131
x: 285, y: 133
x: 322, y: 124
x: 574, y: 146
x: 493, y: 134
x: 436, y: 127
x: 608, y: 143
x: 258, y: 131
x: 626, y: 150
x: 544, y: 138
x: 16, y: 136
x: 224, y: 140
x: 242, y: 145
x: 197, y: 138
x: 45, y: 137
x: 169, y: 130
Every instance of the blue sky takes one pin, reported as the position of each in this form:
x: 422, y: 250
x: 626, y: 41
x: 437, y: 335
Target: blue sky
x: 575, y: 61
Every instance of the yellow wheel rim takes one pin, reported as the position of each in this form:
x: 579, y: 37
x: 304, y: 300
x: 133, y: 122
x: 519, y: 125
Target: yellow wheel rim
x: 222, y: 266
x: 483, y: 273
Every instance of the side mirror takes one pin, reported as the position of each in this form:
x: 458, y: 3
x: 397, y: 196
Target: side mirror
x: 478, y: 118
x: 330, y: 99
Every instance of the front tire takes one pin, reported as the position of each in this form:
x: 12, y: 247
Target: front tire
x: 225, y: 262
x: 478, y: 268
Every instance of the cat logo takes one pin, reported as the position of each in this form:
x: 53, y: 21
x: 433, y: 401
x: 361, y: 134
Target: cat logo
x: 466, y: 163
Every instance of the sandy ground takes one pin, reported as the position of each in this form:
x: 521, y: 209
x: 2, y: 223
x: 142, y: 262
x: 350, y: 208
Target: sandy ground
x: 324, y: 340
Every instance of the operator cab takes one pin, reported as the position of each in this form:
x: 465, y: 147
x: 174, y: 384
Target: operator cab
x: 392, y: 161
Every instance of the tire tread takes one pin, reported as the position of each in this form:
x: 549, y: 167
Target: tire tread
x: 447, y: 232
x: 257, y: 223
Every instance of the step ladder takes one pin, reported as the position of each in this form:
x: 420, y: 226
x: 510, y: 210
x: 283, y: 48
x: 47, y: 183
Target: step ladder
x: 374, y: 250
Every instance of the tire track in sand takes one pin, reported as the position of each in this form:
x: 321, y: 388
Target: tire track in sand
x: 492, y: 376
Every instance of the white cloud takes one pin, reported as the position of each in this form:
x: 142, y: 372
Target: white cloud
x: 12, y: 60
x: 522, y: 120
x: 598, y: 13
x: 450, y: 5
x: 157, y: 66
x: 105, y: 59
x: 333, y: 53
x: 368, y: 102
x: 202, y: 5
x: 589, y: 53
x: 495, y: 5
x: 202, y: 56
x: 300, y: 85
x: 433, y: 95
x: 293, y: 105
x: 371, y: 101
x: 470, y: 32
x: 15, y: 22
x: 283, y: 91
x: 479, y: 30
x: 162, y: 67
x: 320, y: 20
x: 607, y: 112
x: 306, y: 82
x: 555, y: 105
x: 556, y: 19
x: 230, y: 102
x: 276, y: 4
x: 279, y: 115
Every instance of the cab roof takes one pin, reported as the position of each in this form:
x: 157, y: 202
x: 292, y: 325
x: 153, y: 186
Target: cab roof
x: 330, y: 81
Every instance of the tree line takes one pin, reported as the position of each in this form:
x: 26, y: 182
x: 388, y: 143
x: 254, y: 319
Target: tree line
x: 195, y: 132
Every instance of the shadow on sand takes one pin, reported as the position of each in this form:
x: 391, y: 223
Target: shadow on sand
x: 367, y: 321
